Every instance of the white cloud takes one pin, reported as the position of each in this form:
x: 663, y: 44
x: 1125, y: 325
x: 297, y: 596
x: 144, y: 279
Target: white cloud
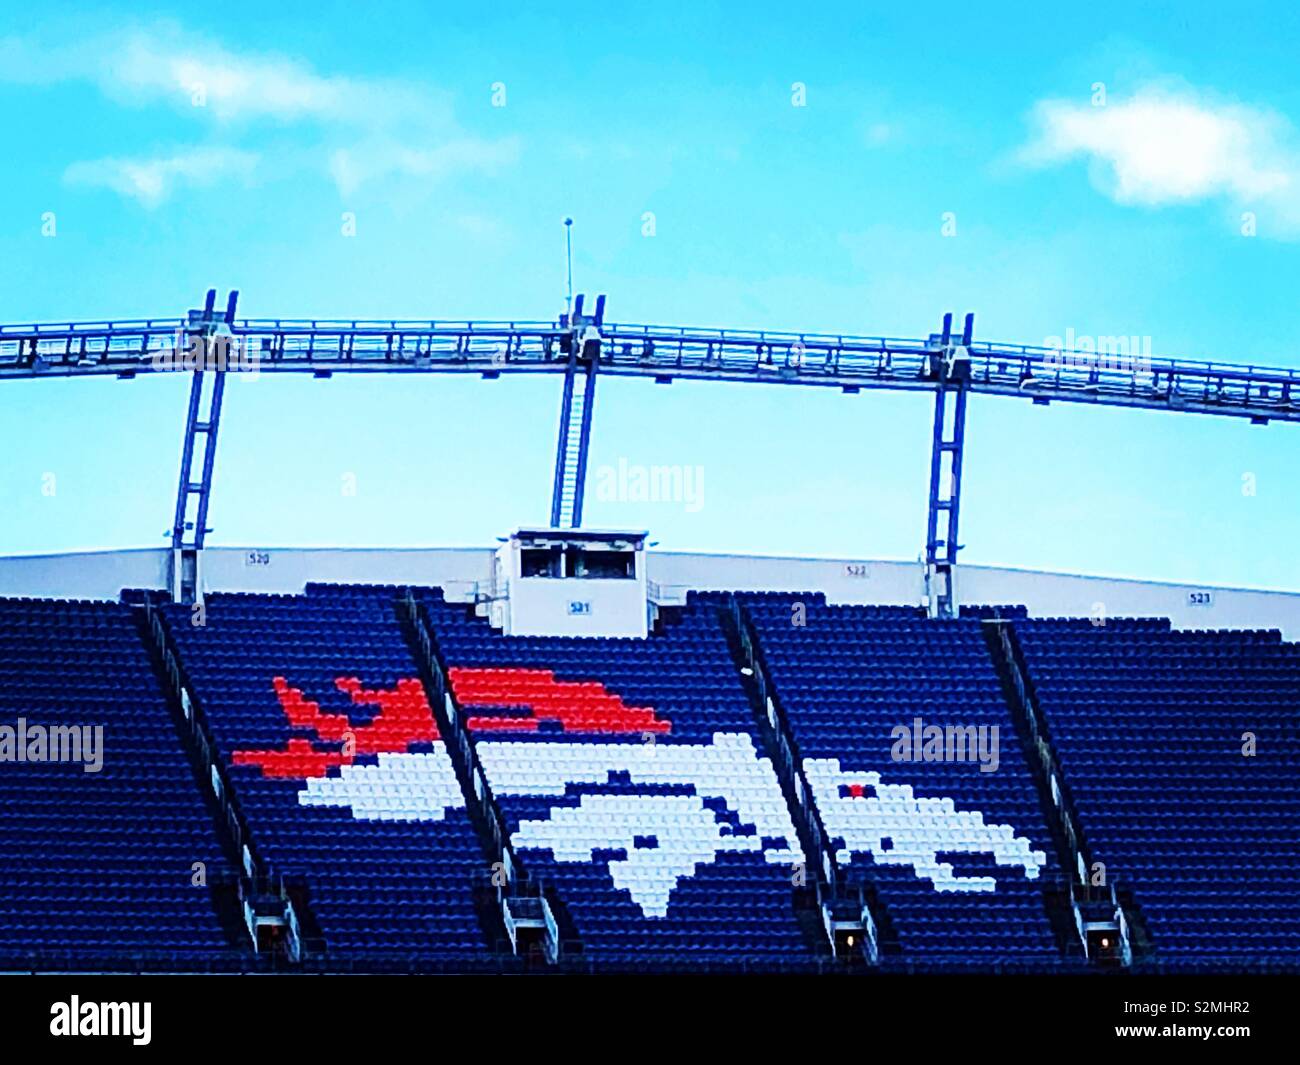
x: 165, y: 64
x: 1163, y: 147
x: 161, y: 63
x: 150, y: 181
x: 232, y: 86
x: 364, y: 129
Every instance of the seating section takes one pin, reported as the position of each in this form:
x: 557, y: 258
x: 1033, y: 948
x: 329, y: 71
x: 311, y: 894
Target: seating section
x: 1151, y: 727
x: 634, y: 783
x: 97, y: 868
x: 630, y: 776
x: 313, y: 701
x: 960, y: 854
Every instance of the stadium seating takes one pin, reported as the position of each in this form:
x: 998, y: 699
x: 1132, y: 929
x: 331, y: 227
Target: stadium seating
x: 681, y: 725
x: 383, y: 881
x: 98, y: 869
x: 634, y: 783
x: 849, y: 675
x: 1150, y: 727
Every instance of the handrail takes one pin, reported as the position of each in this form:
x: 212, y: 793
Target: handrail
x: 1017, y: 672
x: 612, y: 332
x: 779, y: 731
x: 203, y: 745
x: 840, y: 903
x: 255, y: 880
x: 128, y: 348
x: 449, y: 720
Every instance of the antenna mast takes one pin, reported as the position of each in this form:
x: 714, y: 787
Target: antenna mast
x: 568, y: 257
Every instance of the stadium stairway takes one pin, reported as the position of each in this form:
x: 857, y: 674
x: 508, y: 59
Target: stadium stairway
x: 1179, y: 750
x: 847, y: 923
x: 1089, y: 915
x: 629, y: 775
x: 334, y: 758
x: 274, y: 914
x: 528, y: 908
x: 945, y: 845
x: 107, y: 869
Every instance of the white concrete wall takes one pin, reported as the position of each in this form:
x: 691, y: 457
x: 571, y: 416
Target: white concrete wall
x: 232, y: 569
x: 1187, y: 606
x: 843, y: 580
x: 103, y: 574
x: 85, y: 574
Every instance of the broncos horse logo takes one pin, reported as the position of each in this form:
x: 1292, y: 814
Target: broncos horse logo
x: 663, y: 837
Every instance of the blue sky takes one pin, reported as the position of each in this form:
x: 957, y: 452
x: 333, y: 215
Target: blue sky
x: 179, y: 150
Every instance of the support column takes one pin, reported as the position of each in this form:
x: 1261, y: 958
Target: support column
x: 950, y: 367
x: 206, y: 343
x: 584, y: 442
x: 582, y: 344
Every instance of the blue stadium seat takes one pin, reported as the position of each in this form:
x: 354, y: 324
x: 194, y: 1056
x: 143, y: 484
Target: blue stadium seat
x: 98, y: 868
x: 378, y: 885
x: 633, y: 780
x: 1150, y: 726
x: 849, y: 675
x: 732, y: 906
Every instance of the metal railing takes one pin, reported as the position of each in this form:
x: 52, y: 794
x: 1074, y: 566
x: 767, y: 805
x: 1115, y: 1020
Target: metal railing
x: 1017, y: 672
x: 326, y: 346
x: 201, y: 743
x: 513, y: 885
x: 456, y: 735
x: 255, y: 881
x: 1083, y: 894
x: 839, y: 903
